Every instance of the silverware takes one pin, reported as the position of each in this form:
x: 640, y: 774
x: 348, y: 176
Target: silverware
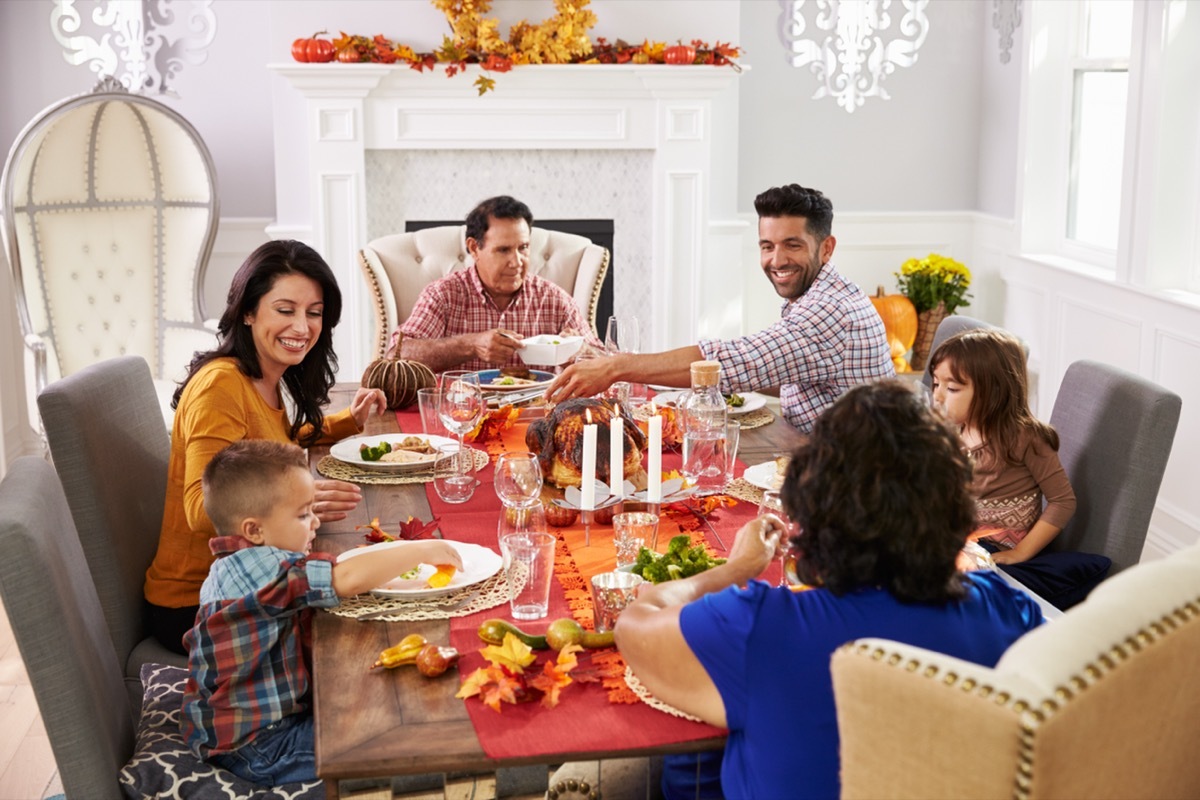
x: 713, y: 530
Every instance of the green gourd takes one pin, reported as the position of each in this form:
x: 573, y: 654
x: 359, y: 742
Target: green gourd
x: 492, y: 631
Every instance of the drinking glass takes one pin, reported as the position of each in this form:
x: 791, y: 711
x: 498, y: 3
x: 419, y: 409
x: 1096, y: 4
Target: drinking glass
x: 518, y: 479
x: 429, y: 401
x: 528, y: 565
x: 772, y: 503
x: 733, y: 435
x: 623, y: 336
x: 531, y: 519
x: 461, y: 405
x: 452, y: 478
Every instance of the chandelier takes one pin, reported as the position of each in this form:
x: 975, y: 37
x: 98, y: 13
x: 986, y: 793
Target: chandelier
x: 141, y: 43
x: 854, y: 49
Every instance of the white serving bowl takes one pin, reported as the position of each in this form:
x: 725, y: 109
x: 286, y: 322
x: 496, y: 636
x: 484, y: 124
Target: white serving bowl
x: 549, y: 350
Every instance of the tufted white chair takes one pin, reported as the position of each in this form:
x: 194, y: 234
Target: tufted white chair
x: 399, y: 266
x: 109, y: 204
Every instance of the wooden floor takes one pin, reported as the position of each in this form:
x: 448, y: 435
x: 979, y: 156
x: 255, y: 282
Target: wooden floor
x: 27, y: 769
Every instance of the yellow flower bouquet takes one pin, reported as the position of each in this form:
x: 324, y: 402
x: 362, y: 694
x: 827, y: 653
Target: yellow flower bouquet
x: 933, y: 279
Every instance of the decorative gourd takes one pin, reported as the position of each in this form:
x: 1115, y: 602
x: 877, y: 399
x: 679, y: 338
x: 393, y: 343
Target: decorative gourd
x: 899, y: 317
x: 399, y: 380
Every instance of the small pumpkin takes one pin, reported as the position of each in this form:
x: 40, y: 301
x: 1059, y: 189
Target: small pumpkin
x: 399, y: 380
x: 680, y: 54
x: 899, y: 317
x: 313, y: 50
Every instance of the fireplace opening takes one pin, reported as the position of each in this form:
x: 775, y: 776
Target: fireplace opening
x: 599, y: 231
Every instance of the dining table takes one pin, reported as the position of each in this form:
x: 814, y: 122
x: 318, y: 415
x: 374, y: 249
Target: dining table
x: 379, y: 723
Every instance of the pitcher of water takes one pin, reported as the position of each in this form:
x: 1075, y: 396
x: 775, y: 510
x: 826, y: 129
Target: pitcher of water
x: 705, y: 416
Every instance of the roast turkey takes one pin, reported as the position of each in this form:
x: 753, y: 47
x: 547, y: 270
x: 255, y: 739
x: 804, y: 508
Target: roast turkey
x: 557, y: 439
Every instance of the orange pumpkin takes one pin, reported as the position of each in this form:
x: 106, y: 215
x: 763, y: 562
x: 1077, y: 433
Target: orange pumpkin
x: 899, y: 317
x: 313, y: 49
x: 680, y: 54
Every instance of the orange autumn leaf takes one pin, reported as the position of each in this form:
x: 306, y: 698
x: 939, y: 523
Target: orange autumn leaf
x: 493, y: 686
x: 556, y: 675
x: 494, y: 423
x: 374, y: 532
x: 513, y: 654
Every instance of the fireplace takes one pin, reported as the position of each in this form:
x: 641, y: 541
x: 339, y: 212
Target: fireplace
x: 369, y: 148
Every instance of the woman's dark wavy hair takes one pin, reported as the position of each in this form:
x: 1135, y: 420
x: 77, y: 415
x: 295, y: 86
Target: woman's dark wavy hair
x: 993, y: 362
x: 309, y: 381
x: 881, y: 495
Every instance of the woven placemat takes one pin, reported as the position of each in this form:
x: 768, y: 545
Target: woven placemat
x: 644, y: 695
x: 754, y: 419
x: 331, y: 467
x: 742, y: 489
x: 467, y: 600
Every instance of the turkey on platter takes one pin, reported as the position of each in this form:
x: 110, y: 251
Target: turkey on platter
x: 557, y: 439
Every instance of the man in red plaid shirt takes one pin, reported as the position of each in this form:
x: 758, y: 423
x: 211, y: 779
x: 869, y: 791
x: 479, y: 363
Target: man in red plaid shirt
x: 475, y: 318
x: 828, y: 337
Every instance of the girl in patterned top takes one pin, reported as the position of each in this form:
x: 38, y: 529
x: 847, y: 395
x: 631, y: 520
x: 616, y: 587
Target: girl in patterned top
x: 979, y: 382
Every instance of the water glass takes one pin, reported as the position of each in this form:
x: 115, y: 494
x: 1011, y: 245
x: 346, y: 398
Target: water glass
x: 528, y: 566
x: 428, y: 400
x: 639, y: 525
x: 452, y: 473
x: 518, y: 479
x: 531, y: 519
x: 733, y: 435
x: 612, y: 592
x: 772, y: 503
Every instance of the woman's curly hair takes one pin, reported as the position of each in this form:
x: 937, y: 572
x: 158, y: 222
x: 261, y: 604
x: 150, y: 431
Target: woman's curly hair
x: 881, y: 495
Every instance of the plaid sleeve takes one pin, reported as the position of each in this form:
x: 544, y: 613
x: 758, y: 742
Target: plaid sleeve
x: 428, y: 320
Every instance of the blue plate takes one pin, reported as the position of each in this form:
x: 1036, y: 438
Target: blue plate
x: 487, y: 378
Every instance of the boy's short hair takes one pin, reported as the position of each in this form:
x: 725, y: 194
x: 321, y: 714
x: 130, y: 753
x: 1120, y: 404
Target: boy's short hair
x: 244, y: 480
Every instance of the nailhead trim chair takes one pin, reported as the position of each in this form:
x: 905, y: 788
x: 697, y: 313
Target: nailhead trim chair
x: 110, y: 209
x: 399, y: 266
x: 1098, y: 703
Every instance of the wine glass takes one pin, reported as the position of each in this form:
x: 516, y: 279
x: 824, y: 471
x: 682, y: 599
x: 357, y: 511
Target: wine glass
x: 461, y: 406
x: 518, y: 480
x: 772, y: 503
x: 623, y: 336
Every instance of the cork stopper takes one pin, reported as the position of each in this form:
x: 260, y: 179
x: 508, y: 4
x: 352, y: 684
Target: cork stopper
x: 706, y: 373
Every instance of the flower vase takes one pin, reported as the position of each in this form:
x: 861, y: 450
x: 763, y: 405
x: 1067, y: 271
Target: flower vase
x: 927, y: 325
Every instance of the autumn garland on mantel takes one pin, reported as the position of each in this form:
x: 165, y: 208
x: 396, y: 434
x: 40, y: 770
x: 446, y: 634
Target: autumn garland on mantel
x: 561, y: 39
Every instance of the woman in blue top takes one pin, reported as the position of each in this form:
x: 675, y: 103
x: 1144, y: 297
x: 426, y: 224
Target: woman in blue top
x: 881, y: 496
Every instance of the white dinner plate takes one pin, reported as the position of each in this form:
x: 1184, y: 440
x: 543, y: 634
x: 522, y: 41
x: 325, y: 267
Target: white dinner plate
x: 754, y: 401
x: 762, y: 475
x: 479, y: 564
x: 488, y: 376
x: 347, y: 450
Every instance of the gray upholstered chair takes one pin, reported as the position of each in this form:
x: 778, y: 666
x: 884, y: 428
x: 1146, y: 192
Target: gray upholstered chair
x: 399, y: 266
x: 109, y: 205
x: 1116, y: 431
x: 61, y: 632
x: 949, y: 326
x: 1098, y: 703
x: 110, y: 450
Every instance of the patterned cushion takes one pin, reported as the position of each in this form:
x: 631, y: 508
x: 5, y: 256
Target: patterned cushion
x: 163, y: 766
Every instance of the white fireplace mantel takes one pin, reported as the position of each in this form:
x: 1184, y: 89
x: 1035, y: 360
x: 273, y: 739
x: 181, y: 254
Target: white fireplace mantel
x: 685, y: 115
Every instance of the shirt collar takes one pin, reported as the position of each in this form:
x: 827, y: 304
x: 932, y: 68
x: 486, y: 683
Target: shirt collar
x: 224, y: 545
x: 477, y: 284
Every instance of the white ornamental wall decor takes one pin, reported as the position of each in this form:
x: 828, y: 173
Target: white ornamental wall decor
x: 142, y: 43
x: 853, y: 48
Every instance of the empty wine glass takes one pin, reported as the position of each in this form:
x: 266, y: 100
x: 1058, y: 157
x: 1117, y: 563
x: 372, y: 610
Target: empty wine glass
x: 772, y: 503
x: 461, y: 407
x: 518, y: 480
x: 623, y: 336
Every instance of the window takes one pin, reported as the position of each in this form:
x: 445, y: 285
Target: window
x: 1100, y: 86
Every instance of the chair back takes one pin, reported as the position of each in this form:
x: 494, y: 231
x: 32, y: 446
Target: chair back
x: 1098, y: 703
x: 111, y: 451
x: 60, y: 630
x: 399, y: 266
x: 1116, y: 430
x: 109, y: 206
x: 946, y: 328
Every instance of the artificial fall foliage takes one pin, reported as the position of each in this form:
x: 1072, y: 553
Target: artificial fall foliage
x: 504, y: 680
x: 560, y: 39
x: 494, y: 423
x: 411, y: 528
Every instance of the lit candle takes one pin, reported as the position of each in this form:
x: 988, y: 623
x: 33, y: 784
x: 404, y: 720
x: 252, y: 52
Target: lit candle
x: 588, y: 489
x: 616, y: 453
x: 654, y: 467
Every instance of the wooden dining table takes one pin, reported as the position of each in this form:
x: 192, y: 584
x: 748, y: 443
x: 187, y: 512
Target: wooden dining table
x: 382, y: 723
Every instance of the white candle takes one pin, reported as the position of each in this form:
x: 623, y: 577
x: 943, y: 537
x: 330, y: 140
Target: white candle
x: 654, y: 467
x: 616, y: 453
x: 588, y: 489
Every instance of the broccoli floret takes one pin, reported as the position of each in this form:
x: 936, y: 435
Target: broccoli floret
x: 658, y: 571
x: 678, y: 546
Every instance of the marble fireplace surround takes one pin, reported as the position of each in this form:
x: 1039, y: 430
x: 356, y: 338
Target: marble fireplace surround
x: 652, y: 147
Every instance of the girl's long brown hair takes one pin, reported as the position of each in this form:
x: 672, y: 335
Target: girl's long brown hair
x: 993, y: 362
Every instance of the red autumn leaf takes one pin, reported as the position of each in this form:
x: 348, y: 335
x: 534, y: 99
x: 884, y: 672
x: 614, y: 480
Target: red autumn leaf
x: 413, y: 528
x: 497, y: 63
x: 374, y: 532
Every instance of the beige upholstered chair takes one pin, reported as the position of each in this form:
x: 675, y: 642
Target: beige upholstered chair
x: 1099, y: 703
x: 399, y: 266
x: 109, y: 204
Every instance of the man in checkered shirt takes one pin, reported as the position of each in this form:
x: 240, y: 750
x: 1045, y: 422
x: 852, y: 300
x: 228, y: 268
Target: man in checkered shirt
x: 475, y: 318
x: 828, y: 338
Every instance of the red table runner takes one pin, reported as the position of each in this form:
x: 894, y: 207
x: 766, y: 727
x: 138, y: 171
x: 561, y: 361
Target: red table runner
x: 614, y: 718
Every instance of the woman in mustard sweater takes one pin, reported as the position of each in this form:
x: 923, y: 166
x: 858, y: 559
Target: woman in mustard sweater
x: 275, y: 341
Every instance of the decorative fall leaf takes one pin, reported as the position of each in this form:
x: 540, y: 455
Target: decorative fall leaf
x: 493, y: 685
x: 374, y: 532
x: 494, y: 423
x: 413, y: 528
x: 484, y: 84
x: 513, y: 654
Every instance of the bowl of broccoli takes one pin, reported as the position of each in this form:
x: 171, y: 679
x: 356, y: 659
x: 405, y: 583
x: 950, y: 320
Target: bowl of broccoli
x: 682, y: 560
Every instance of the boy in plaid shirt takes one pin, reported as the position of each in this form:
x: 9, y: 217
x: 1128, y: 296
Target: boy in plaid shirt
x: 247, y: 705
